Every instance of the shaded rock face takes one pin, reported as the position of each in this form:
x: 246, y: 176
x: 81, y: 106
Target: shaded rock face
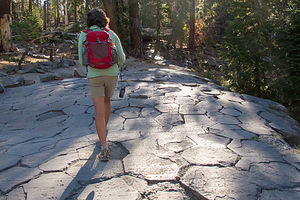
x: 10, y: 82
x: 42, y: 72
x: 172, y: 136
x: 1, y: 88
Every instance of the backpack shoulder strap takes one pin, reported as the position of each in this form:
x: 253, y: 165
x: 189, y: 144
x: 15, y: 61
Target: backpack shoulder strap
x: 106, y: 29
x: 86, y: 30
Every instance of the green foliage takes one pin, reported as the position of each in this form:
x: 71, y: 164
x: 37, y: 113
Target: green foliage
x: 288, y: 85
x: 178, y: 22
x: 123, y: 23
x: 248, y: 47
x: 10, y: 59
x: 29, y: 27
x: 256, y: 139
x: 261, y: 49
x: 75, y: 28
x: 173, y: 15
x: 148, y: 8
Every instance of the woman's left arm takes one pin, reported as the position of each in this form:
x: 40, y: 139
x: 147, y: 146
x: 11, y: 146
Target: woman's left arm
x: 81, y: 39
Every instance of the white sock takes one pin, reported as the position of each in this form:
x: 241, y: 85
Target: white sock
x: 105, y: 147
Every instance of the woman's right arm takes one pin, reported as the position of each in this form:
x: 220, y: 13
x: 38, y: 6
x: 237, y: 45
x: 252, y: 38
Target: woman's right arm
x: 120, y: 51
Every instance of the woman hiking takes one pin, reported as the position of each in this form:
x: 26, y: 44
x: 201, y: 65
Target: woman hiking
x: 101, y: 80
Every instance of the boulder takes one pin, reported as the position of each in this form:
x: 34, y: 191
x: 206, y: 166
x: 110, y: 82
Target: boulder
x: 1, y: 88
x: 3, y: 74
x: 41, y: 71
x: 29, y: 82
x: 10, y: 82
x: 65, y: 74
x: 58, y: 77
x: 148, y: 33
x: 47, y: 77
x: 44, y: 63
x: 79, y: 74
x: 28, y: 70
x: 68, y: 62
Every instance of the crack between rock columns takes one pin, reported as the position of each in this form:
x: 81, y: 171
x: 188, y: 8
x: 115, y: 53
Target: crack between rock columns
x: 86, y: 110
x: 289, y: 163
x: 239, y: 157
x: 59, y: 133
x: 173, y: 181
x: 260, y: 189
x: 192, y: 140
x: 18, y: 164
x: 92, y: 122
x: 296, y: 188
x: 21, y: 183
x: 196, y: 194
x: 25, y: 193
x: 269, y: 162
x: 224, y: 197
x: 123, y: 125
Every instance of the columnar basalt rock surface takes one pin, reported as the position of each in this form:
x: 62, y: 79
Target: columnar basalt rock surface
x: 173, y: 136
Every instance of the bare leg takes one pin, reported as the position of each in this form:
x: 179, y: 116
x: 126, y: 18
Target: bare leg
x: 100, y: 121
x: 107, y: 109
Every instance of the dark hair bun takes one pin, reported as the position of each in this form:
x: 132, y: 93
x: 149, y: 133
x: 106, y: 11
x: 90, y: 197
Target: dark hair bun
x: 97, y: 17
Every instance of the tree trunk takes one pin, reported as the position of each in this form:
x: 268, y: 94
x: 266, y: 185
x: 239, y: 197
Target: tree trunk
x: 5, y: 21
x: 205, y: 7
x: 110, y: 10
x: 136, y: 42
x: 30, y: 6
x: 48, y: 11
x: 192, y: 29
x: 158, y: 20
x: 45, y: 15
x: 87, y: 5
x: 57, y: 12
x: 66, y: 18
x: 257, y: 81
x: 22, y: 6
x: 119, y: 9
x: 75, y: 12
x: 157, y: 46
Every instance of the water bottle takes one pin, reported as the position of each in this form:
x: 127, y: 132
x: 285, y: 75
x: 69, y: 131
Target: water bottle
x: 122, y: 92
x: 85, y: 57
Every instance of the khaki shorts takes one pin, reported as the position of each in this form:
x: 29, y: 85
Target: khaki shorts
x: 102, y: 86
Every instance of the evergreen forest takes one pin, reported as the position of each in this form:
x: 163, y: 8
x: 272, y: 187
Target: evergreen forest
x: 250, y: 46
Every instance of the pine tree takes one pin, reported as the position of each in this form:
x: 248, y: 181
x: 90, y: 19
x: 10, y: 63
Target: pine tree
x: 135, y: 31
x: 5, y: 22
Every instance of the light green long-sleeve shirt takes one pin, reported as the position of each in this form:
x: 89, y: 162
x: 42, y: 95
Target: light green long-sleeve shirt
x: 113, y: 70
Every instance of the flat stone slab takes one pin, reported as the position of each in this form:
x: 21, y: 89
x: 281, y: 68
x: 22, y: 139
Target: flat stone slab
x: 173, y: 136
x: 279, y: 194
x: 252, y: 148
x: 115, y: 188
x: 150, y: 112
x: 274, y: 175
x: 208, y: 152
x: 235, y: 134
x: 17, y: 193
x: 129, y: 112
x: 16, y: 176
x: 88, y: 171
x: 212, y: 182
x: 151, y: 167
x: 59, y: 163
x: 8, y: 161
x: 51, y: 186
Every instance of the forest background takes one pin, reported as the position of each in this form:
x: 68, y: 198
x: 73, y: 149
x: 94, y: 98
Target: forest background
x: 251, y: 46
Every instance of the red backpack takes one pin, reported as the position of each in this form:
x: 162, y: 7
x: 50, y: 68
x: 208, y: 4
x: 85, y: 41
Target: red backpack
x: 100, y: 49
